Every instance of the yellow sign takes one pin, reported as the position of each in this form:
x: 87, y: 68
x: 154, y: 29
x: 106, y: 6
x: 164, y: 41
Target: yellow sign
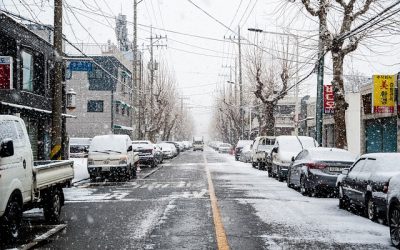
x: 384, y: 99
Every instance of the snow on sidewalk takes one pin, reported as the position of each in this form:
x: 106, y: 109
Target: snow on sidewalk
x: 295, y: 217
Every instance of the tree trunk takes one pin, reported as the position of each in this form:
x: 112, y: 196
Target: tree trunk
x: 269, y: 128
x: 340, y: 102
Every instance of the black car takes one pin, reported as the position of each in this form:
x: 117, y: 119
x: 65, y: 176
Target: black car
x: 366, y: 183
x: 314, y: 171
x: 393, y: 210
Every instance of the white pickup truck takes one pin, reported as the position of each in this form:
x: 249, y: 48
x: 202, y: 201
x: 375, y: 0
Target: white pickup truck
x: 25, y: 184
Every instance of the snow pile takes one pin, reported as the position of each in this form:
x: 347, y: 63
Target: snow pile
x: 80, y: 169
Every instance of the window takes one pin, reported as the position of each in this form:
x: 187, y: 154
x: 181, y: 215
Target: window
x: 95, y: 106
x: 27, y: 71
x: 96, y: 73
x: 8, y: 131
x: 68, y: 73
x: 356, y: 169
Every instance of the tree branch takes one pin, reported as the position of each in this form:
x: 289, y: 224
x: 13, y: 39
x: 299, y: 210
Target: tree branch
x: 310, y: 9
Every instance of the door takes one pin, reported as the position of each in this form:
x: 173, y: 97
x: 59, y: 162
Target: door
x: 381, y: 135
x: 363, y: 180
x: 349, y: 182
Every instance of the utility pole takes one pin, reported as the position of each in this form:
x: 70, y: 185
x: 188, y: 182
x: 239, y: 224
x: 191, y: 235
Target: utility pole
x: 56, y: 130
x: 153, y: 40
x: 320, y: 87
x: 135, y: 85
x: 240, y: 86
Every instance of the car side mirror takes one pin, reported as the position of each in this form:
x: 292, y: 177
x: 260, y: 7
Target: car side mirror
x: 292, y: 158
x: 130, y: 148
x: 346, y: 171
x: 275, y: 150
x: 6, y: 148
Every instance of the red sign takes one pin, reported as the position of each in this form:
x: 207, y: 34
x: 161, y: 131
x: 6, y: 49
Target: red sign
x: 329, y: 99
x: 5, y: 72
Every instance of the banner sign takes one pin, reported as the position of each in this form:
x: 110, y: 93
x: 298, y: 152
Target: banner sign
x: 383, y: 94
x: 6, y: 72
x: 329, y: 99
x: 80, y: 66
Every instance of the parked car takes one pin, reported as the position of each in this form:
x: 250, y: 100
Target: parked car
x: 112, y: 156
x: 366, y: 183
x: 24, y: 183
x: 393, y: 210
x: 239, y: 147
x: 79, y: 147
x: 245, y: 154
x: 169, y: 151
x: 178, y: 148
x: 224, y: 148
x: 285, y: 148
x: 315, y: 170
x: 261, y: 151
x: 148, y: 153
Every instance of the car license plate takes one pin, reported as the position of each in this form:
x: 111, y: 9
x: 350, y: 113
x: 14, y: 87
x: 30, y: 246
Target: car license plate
x: 106, y: 168
x: 335, y: 169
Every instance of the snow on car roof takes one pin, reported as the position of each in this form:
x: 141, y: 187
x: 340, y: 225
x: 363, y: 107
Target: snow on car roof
x: 110, y: 142
x: 242, y: 143
x: 331, y: 154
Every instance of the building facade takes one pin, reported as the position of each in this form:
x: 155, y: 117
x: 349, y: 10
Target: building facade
x: 104, y: 96
x: 27, y: 91
x: 379, y: 130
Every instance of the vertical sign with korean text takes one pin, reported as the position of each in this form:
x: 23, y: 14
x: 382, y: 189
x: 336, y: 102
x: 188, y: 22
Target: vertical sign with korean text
x: 329, y: 99
x: 383, y: 94
x: 6, y: 76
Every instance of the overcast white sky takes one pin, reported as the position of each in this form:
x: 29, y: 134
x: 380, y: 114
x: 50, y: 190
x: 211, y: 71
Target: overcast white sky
x: 197, y: 62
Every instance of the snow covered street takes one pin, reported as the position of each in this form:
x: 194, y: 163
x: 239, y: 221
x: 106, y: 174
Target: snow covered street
x: 171, y: 209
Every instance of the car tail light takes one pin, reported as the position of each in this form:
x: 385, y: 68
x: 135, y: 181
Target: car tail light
x: 316, y: 165
x: 386, y: 187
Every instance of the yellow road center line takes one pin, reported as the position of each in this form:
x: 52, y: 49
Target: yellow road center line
x: 222, y: 241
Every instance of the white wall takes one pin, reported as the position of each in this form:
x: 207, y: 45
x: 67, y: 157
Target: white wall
x: 353, y: 123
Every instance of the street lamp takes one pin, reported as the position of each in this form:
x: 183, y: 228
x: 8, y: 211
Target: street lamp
x: 296, y: 89
x: 71, y: 99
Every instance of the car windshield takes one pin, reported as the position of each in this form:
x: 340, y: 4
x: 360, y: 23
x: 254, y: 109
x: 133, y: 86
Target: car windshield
x: 108, y: 144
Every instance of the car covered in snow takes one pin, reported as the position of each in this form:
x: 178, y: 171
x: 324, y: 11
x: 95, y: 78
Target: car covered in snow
x: 393, y: 210
x: 224, y: 148
x: 261, y: 151
x: 112, y: 156
x: 239, y: 146
x: 366, y: 183
x: 79, y: 147
x: 286, y: 147
x: 245, y: 154
x: 315, y: 171
x: 169, y: 151
x: 149, y: 153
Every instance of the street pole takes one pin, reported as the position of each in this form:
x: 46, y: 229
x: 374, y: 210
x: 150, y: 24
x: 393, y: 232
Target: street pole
x: 296, y: 89
x: 320, y: 86
x: 151, y: 73
x: 56, y: 131
x: 240, y: 86
x: 135, y: 86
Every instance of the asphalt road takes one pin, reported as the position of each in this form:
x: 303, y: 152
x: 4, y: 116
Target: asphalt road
x: 176, y: 207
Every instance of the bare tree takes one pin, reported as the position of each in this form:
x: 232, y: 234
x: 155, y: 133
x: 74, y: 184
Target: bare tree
x: 336, y: 19
x: 270, y: 82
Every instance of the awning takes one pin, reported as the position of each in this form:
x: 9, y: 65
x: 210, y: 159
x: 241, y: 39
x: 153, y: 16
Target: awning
x: 123, y: 127
x: 123, y: 103
x: 33, y: 109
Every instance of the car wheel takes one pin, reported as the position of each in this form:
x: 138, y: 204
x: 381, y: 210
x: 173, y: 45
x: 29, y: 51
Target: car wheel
x: 303, y: 189
x: 269, y: 172
x: 52, y: 205
x: 11, y: 221
x: 394, y: 225
x: 370, y: 209
x: 254, y: 164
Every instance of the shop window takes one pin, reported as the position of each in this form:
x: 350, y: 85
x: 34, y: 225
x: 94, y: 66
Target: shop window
x: 95, y: 106
x: 27, y: 71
